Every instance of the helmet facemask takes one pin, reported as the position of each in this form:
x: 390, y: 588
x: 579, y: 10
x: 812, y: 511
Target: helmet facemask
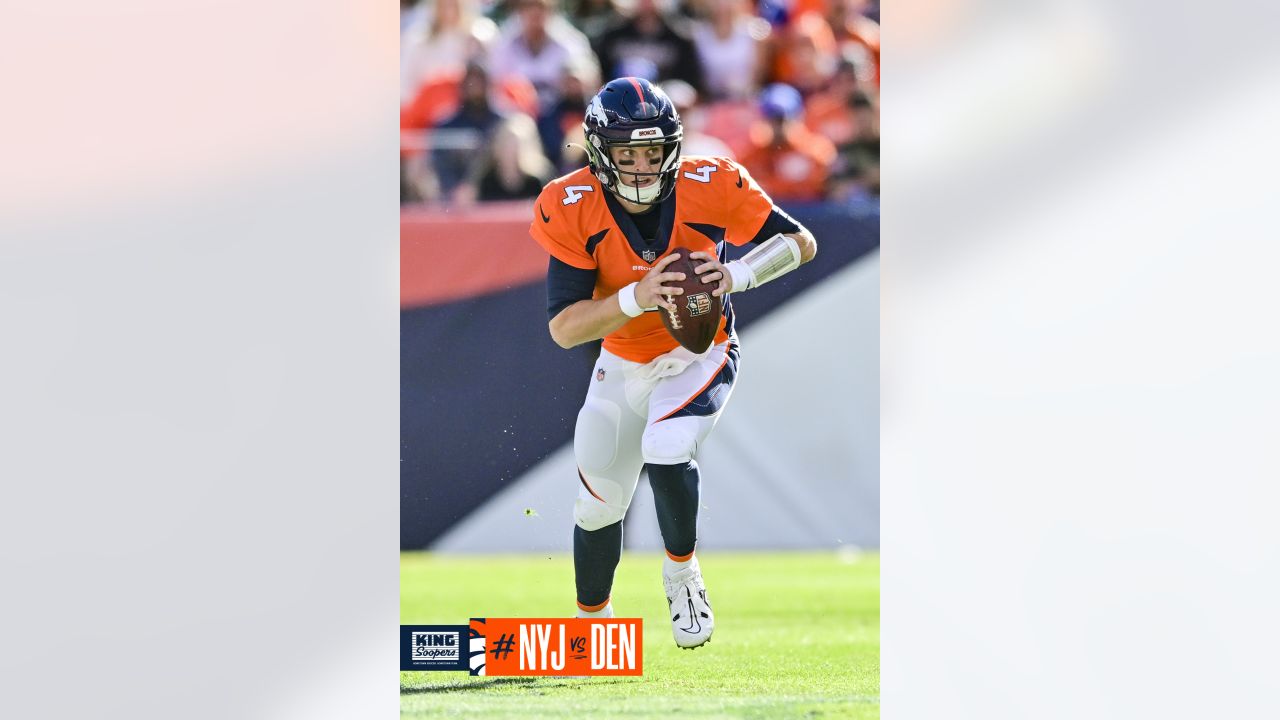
x: 624, y: 182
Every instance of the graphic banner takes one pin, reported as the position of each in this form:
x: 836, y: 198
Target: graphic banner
x: 527, y: 646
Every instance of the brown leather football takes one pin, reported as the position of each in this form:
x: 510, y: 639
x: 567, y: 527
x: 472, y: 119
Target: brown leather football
x: 697, y: 316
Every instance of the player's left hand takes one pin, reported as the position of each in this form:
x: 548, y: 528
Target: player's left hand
x: 712, y: 271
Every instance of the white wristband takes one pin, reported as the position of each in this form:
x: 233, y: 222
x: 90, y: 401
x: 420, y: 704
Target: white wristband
x: 741, y: 276
x: 627, y: 301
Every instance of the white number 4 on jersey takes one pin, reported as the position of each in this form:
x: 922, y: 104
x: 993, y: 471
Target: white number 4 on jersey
x: 573, y: 193
x: 702, y: 173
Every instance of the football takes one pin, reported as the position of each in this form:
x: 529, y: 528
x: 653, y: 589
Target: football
x: 697, y: 316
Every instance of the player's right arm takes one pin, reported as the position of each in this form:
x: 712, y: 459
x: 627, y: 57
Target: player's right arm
x: 591, y: 319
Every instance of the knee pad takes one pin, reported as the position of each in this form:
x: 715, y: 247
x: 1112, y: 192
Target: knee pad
x: 670, y: 442
x: 595, y: 437
x: 591, y: 514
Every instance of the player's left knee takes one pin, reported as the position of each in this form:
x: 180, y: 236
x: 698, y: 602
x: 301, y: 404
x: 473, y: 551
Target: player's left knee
x: 592, y: 514
x: 669, y: 443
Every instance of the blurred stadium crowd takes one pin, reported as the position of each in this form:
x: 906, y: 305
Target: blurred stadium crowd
x: 492, y: 92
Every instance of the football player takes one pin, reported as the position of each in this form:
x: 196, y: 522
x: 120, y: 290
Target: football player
x: 650, y: 403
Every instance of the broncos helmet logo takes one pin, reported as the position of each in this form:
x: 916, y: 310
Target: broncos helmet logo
x: 596, y: 110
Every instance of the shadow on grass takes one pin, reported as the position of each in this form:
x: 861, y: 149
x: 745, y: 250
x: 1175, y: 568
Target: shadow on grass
x: 476, y: 685
x: 499, y: 682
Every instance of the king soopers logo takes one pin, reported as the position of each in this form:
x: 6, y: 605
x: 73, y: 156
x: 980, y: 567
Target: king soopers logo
x: 435, y: 646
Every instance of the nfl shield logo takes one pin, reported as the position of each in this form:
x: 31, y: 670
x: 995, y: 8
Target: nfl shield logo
x: 699, y: 304
x: 649, y: 255
x: 599, y: 374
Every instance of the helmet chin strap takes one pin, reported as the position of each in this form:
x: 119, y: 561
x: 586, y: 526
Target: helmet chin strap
x: 645, y: 195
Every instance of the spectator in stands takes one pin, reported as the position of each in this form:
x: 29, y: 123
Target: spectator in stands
x: 537, y: 42
x: 857, y: 36
x: 790, y: 161
x: 732, y: 45
x: 856, y: 171
x: 513, y: 166
x: 562, y: 124
x: 456, y: 141
x: 831, y: 112
x: 695, y: 142
x: 806, y: 53
x: 592, y: 17
x: 646, y: 33
x: 440, y: 41
x: 440, y: 98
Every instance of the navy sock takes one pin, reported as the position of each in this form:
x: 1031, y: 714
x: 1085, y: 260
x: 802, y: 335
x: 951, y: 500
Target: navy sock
x: 595, y: 556
x: 675, y: 493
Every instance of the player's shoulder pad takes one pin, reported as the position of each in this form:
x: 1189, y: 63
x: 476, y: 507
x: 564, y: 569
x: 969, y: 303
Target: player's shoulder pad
x: 721, y: 188
x: 557, y: 221
x: 718, y: 173
x: 727, y: 182
x: 564, y: 195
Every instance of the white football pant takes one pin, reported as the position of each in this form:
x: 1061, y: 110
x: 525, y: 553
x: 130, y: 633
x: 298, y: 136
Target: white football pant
x: 657, y: 412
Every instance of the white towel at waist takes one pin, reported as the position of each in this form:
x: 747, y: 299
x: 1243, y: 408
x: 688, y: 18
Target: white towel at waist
x: 641, y: 379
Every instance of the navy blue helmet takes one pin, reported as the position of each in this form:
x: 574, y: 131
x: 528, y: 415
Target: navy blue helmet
x: 631, y: 112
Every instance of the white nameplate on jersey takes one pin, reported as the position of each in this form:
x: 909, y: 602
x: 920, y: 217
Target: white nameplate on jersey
x: 702, y: 173
x: 646, y: 133
x: 573, y: 193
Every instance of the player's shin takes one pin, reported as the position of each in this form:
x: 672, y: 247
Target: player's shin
x: 595, y: 558
x: 675, y: 495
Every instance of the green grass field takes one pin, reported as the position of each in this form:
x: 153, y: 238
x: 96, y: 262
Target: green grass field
x: 797, y: 636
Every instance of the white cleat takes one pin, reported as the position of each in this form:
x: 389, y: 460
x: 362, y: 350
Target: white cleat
x: 692, y: 621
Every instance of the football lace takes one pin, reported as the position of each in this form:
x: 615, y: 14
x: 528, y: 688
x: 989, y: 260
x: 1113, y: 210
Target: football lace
x: 675, y: 318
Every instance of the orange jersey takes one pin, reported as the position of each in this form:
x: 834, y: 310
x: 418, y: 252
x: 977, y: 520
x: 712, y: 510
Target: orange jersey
x: 577, y: 221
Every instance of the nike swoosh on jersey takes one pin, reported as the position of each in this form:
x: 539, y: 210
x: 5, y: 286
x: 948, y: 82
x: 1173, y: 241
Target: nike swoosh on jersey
x: 739, y: 179
x: 546, y: 219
